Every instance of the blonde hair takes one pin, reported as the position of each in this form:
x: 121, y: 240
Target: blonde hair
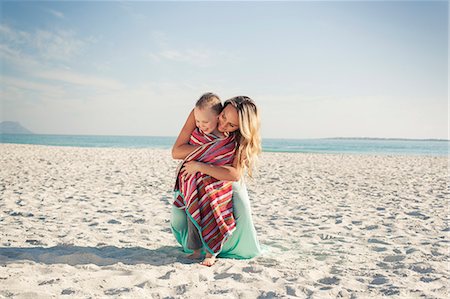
x: 248, y: 135
x: 210, y: 100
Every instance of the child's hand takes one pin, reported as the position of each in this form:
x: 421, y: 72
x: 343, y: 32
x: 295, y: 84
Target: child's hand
x: 190, y: 168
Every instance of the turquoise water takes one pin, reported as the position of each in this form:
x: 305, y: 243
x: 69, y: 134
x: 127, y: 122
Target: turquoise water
x: 90, y: 140
x: 339, y: 145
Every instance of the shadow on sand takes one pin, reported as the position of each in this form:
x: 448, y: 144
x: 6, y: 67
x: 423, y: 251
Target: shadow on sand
x: 100, y: 256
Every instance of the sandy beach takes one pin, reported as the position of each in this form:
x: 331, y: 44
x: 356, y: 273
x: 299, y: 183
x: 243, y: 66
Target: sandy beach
x: 95, y: 223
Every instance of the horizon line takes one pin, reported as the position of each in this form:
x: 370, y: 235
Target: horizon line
x: 274, y: 138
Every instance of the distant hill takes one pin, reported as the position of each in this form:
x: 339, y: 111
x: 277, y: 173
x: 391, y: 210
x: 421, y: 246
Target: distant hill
x: 12, y: 127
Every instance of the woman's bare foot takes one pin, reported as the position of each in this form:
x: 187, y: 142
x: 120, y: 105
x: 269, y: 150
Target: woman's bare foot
x: 196, y: 255
x: 209, y: 260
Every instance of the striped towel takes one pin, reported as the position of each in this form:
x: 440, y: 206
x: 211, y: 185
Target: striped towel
x: 207, y: 201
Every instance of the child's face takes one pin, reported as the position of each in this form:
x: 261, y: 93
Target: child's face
x: 206, y: 119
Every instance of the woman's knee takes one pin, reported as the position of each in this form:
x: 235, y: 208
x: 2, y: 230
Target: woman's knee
x: 178, y: 219
x: 241, y: 203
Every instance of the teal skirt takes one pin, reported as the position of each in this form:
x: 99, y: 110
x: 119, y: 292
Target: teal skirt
x: 242, y: 244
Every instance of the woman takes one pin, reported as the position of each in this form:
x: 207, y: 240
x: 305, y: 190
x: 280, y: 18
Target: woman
x: 240, y: 117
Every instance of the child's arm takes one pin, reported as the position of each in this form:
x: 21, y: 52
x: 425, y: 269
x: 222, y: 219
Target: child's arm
x: 181, y: 149
x: 222, y: 173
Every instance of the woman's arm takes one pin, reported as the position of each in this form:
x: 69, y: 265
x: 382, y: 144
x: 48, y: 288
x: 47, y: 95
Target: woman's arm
x: 181, y: 149
x: 222, y: 173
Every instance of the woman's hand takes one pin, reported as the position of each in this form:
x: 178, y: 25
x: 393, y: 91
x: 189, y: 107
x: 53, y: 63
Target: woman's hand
x: 190, y: 168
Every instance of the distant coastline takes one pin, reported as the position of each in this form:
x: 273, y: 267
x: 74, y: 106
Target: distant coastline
x: 264, y: 138
x: 380, y: 138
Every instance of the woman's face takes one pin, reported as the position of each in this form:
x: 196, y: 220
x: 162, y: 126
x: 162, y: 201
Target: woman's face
x: 228, y: 120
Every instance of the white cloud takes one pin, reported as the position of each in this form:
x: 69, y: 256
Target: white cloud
x: 10, y: 35
x: 56, y: 13
x: 77, y: 78
x: 194, y: 57
x: 17, y: 59
x: 199, y: 56
x: 35, y: 69
x: 160, y: 38
x: 128, y: 9
x: 153, y: 108
x: 46, y: 89
x: 57, y: 45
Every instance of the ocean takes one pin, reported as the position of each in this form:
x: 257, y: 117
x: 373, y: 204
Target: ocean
x: 323, y: 145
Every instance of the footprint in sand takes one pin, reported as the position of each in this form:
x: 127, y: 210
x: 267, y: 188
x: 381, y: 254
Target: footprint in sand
x: 371, y: 227
x: 110, y: 292
x: 291, y: 291
x: 391, y: 291
x: 379, y: 249
x: 329, y: 281
x: 383, y: 266
x: 21, y: 214
x: 326, y: 237
x: 167, y: 275
x: 113, y: 221
x: 378, y: 280
x: 335, y: 270
x: 267, y: 262
x: 235, y: 276
x: 67, y: 292
x: 252, y: 269
x: 268, y: 295
x: 422, y: 268
x: 147, y: 284
x: 181, y: 289
x: 418, y: 215
x: 49, y: 282
x: 35, y: 242
x: 410, y: 250
x: 394, y: 258
x: 428, y: 279
x: 373, y: 240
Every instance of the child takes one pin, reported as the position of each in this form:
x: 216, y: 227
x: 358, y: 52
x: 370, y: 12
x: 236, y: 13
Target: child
x: 208, y: 205
x: 206, y: 113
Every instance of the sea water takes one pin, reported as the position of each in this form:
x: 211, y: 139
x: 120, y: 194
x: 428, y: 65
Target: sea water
x: 324, y: 145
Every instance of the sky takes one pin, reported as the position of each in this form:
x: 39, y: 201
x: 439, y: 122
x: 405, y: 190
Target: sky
x: 314, y: 68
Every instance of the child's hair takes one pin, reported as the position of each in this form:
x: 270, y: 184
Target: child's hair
x: 210, y: 100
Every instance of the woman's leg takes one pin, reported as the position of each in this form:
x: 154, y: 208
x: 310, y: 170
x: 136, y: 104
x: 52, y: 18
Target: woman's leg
x: 179, y: 226
x: 243, y: 243
x: 193, y: 240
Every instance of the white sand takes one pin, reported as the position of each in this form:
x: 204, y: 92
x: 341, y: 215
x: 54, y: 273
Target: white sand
x: 94, y: 223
